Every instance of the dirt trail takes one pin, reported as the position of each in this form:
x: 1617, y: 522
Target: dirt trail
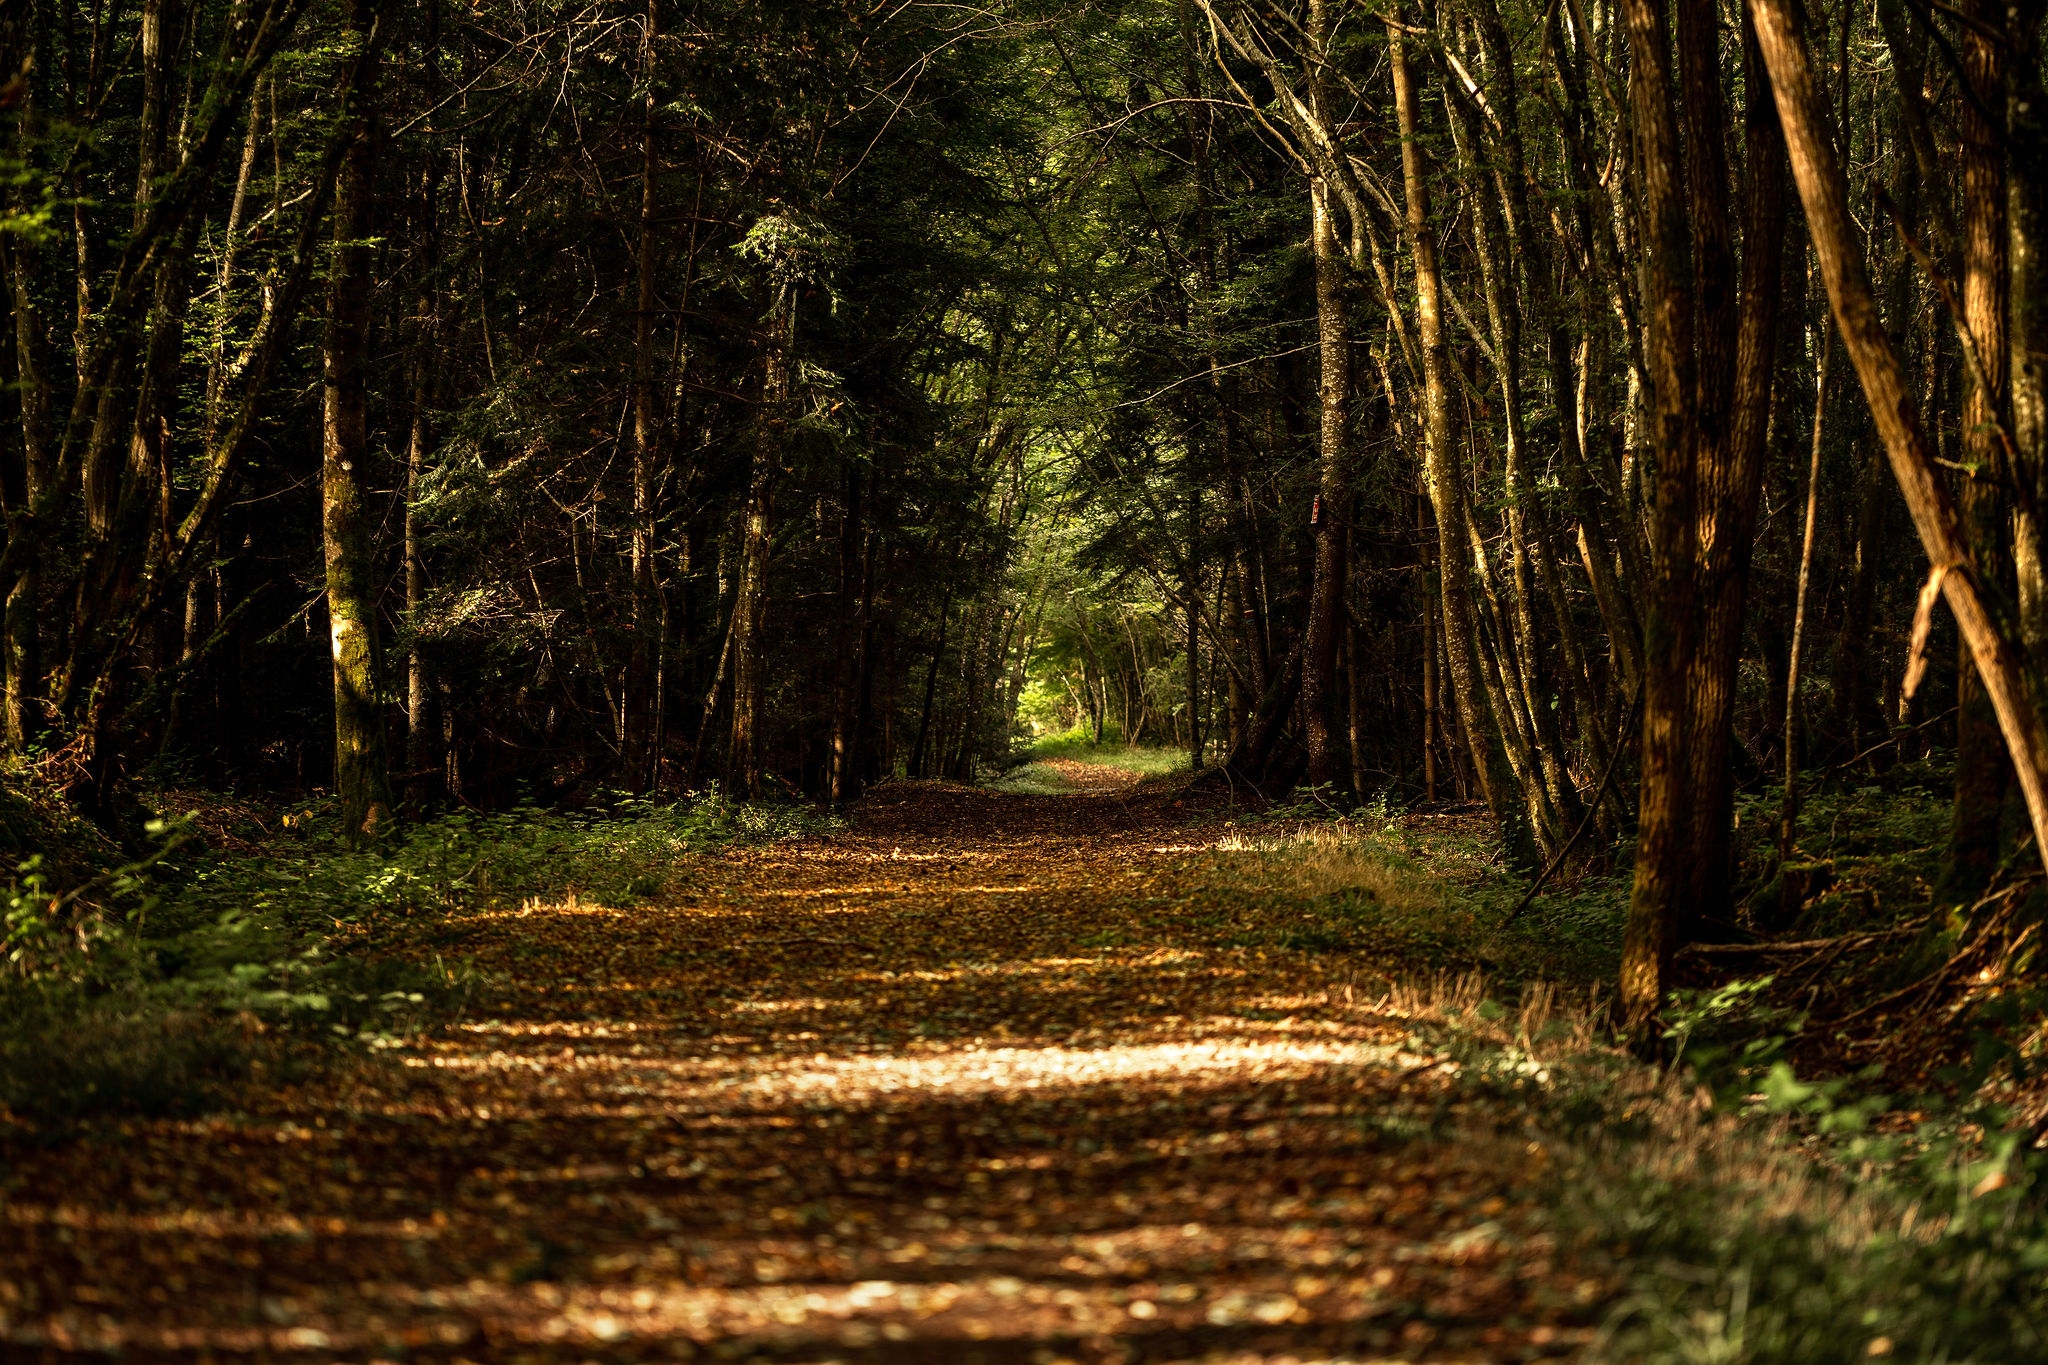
x: 890, y: 1096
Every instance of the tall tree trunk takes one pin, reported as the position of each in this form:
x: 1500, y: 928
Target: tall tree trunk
x: 1502, y: 269
x: 750, y: 602
x: 852, y: 630
x: 23, y: 717
x: 1431, y: 717
x: 1731, y: 476
x: 1982, y: 776
x: 1663, y: 847
x: 419, y: 733
x: 1444, y: 473
x: 2027, y: 288
x: 636, y: 754
x: 361, y: 775
x: 931, y: 685
x: 1319, y: 647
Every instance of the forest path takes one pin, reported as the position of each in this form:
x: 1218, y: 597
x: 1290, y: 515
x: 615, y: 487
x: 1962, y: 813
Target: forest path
x: 959, y: 1085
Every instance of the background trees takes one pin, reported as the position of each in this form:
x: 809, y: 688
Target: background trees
x: 1403, y: 398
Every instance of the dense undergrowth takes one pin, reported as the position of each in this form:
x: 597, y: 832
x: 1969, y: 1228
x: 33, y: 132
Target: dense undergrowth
x: 1835, y: 1161
x: 247, y: 937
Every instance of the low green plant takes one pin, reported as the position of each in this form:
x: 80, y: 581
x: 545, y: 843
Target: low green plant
x: 144, y: 988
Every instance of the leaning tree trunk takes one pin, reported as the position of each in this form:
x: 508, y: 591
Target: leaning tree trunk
x: 361, y: 776
x: 1988, y: 625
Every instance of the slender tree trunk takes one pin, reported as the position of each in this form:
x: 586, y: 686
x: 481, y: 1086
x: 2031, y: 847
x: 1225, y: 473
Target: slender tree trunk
x: 2027, y: 286
x: 1319, y: 650
x: 636, y: 750
x: 1444, y: 473
x: 1431, y: 722
x: 931, y: 684
x: 853, y: 603
x: 23, y: 717
x: 361, y: 776
x: 1788, y: 809
x: 750, y: 603
x: 1354, y: 708
x: 1501, y: 269
x: 419, y: 733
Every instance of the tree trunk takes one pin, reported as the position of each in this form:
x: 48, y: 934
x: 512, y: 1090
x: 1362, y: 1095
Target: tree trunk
x: 2027, y: 285
x: 1445, y: 476
x: 1431, y: 722
x: 750, y: 602
x: 853, y: 603
x: 1663, y: 847
x: 1319, y: 648
x: 23, y: 717
x: 1731, y: 476
x: 1981, y: 773
x: 931, y: 684
x: 419, y: 732
x: 636, y: 751
x: 361, y: 776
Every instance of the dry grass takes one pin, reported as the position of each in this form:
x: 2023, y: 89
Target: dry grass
x: 1327, y: 860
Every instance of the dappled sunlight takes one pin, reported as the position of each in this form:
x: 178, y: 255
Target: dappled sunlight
x: 1043, y: 1108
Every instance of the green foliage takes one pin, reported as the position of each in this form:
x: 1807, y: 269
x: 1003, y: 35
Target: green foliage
x: 143, y: 989
x: 1741, y: 1260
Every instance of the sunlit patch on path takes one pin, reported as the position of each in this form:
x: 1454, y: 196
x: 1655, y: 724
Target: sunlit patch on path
x: 946, y: 1089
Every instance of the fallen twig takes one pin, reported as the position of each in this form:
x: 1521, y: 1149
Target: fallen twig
x: 1801, y: 945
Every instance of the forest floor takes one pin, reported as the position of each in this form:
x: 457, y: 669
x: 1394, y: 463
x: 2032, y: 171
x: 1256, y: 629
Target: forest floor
x: 983, y: 1078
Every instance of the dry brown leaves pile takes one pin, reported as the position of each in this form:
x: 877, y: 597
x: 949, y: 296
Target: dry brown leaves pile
x: 873, y: 1098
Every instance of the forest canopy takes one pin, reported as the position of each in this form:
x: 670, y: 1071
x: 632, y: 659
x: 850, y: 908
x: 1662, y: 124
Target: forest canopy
x: 1589, y: 409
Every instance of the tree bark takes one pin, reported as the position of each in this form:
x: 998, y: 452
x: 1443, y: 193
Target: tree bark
x: 1730, y: 484
x: 750, y: 602
x: 419, y: 731
x: 1319, y: 649
x: 840, y: 782
x: 1981, y: 773
x: 2027, y: 285
x: 1663, y: 847
x: 361, y: 774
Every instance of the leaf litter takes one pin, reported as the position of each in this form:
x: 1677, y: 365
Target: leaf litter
x: 965, y: 1083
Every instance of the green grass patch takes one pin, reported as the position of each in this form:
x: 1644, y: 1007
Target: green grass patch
x: 1032, y: 779
x: 1078, y: 746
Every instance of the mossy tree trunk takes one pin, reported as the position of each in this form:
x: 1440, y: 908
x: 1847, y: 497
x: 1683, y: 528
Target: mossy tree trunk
x: 361, y: 773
